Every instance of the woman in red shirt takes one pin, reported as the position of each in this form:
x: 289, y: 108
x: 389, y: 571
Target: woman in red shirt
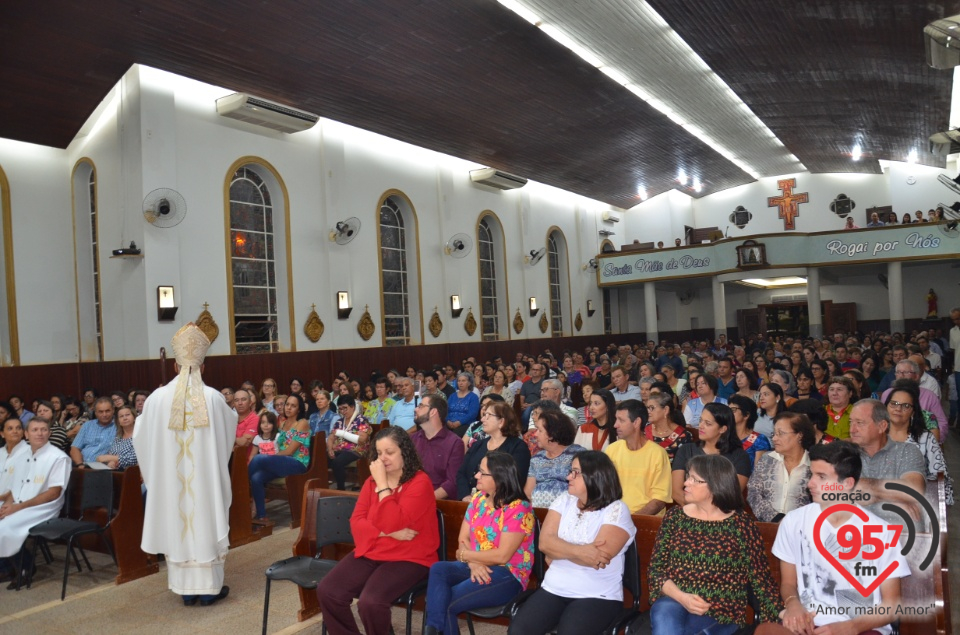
x: 394, y: 527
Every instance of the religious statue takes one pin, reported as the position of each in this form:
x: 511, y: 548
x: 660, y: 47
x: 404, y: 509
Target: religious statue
x: 931, y: 304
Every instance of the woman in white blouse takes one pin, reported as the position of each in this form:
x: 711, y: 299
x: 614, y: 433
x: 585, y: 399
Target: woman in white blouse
x: 779, y: 480
x: 585, y: 535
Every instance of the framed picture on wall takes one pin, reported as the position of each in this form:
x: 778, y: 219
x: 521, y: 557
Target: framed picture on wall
x: 751, y: 254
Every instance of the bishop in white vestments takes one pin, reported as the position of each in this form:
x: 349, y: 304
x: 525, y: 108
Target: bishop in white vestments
x: 183, y: 441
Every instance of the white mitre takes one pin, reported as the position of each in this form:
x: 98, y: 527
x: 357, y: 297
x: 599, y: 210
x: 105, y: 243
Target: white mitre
x: 190, y: 346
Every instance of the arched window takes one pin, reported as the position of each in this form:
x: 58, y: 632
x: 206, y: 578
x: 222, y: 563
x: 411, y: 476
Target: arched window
x: 90, y: 324
x: 9, y: 339
x: 558, y: 272
x: 400, y: 279
x: 490, y: 261
x: 253, y: 264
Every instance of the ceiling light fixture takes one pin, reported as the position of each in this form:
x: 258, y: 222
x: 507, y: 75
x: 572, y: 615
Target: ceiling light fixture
x: 594, y: 53
x: 682, y: 177
x: 697, y: 185
x: 642, y: 193
x: 857, y: 152
x: 912, y: 157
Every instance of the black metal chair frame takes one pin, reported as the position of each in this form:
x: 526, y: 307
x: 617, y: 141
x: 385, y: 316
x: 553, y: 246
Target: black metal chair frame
x: 420, y: 588
x: 333, y: 526
x: 509, y: 609
x: 97, y: 494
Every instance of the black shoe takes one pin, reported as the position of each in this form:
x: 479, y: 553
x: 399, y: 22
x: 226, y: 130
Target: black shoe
x: 25, y: 578
x: 207, y: 600
x: 189, y: 600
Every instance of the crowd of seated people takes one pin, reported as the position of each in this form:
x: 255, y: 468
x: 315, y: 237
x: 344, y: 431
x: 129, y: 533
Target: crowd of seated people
x: 690, y: 432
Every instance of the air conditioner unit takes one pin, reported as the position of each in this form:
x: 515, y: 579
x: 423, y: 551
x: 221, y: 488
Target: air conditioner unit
x: 265, y: 113
x: 944, y: 143
x: 780, y: 299
x: 493, y: 177
x: 943, y: 47
x: 610, y: 217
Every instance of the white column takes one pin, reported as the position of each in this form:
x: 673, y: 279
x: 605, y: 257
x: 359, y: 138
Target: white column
x: 719, y: 308
x: 650, y: 310
x: 813, y: 302
x: 895, y: 295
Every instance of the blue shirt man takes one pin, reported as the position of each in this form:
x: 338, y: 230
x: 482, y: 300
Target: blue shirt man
x: 96, y: 436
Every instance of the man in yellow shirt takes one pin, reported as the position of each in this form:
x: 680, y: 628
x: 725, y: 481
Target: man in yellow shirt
x: 643, y: 466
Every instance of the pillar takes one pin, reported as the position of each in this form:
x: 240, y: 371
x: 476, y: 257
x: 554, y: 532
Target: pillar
x: 719, y: 308
x: 650, y: 310
x: 895, y: 296
x: 813, y: 302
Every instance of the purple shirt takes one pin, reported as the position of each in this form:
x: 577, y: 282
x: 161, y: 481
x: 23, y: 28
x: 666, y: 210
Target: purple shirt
x: 441, y: 457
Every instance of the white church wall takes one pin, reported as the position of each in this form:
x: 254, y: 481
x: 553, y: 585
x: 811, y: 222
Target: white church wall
x: 39, y: 181
x: 164, y: 132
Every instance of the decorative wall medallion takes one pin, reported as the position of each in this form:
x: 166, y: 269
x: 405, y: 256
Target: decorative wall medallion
x: 436, y: 326
x: 470, y: 324
x: 578, y: 321
x: 518, y: 323
x: 365, y: 326
x: 788, y: 202
x: 544, y: 323
x: 206, y: 323
x: 842, y: 205
x: 740, y: 217
x: 313, y: 329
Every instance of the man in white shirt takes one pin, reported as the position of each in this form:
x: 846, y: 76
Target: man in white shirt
x: 926, y: 379
x: 815, y: 592
x: 621, y: 387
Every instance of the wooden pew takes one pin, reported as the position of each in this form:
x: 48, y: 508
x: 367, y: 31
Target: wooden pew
x: 126, y: 530
x: 242, y: 529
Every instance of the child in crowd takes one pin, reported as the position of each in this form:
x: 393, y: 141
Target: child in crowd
x: 266, y: 440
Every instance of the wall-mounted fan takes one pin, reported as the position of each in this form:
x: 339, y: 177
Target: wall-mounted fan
x: 535, y: 256
x: 591, y: 265
x: 686, y: 296
x: 164, y: 207
x: 951, y: 218
x: 458, y: 246
x: 882, y: 277
x: 345, y: 231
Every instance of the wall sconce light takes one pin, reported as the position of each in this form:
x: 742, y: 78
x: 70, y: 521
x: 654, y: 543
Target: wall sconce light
x: 533, y: 307
x: 590, y: 309
x: 343, y: 305
x: 166, y: 304
x: 455, y: 307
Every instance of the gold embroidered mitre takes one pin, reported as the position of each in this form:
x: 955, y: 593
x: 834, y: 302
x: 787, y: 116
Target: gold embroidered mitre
x: 190, y: 346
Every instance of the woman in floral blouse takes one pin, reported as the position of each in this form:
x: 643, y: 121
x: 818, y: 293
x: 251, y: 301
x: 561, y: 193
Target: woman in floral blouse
x: 292, y: 457
x: 496, y: 549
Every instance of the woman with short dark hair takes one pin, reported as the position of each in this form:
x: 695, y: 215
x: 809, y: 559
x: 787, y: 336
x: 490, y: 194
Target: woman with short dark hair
x: 598, y: 432
x: 706, y: 387
x: 779, y: 482
x: 708, y: 556
x: 840, y: 394
x: 585, y: 534
x: 549, y: 467
x: 495, y: 557
x: 745, y: 415
x: 502, y: 427
x: 770, y: 402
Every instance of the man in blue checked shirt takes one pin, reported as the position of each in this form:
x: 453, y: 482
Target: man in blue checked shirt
x: 95, y: 437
